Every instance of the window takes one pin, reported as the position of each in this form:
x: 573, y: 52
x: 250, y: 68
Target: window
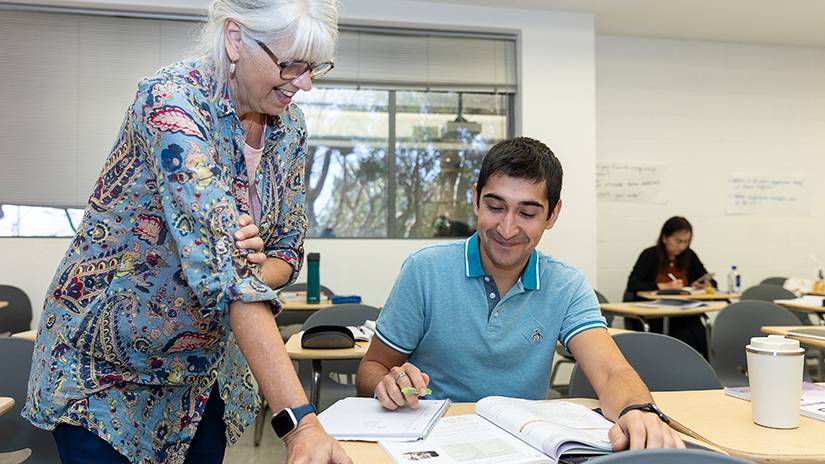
x: 424, y: 188
x: 33, y: 221
x: 397, y: 129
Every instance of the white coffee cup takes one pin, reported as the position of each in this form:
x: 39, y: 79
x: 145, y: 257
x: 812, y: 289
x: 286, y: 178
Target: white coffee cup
x: 775, y: 366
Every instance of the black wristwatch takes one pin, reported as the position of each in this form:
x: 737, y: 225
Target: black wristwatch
x: 647, y: 407
x: 287, y: 419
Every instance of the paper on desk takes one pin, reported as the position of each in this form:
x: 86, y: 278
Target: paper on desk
x: 366, y: 420
x: 812, y: 403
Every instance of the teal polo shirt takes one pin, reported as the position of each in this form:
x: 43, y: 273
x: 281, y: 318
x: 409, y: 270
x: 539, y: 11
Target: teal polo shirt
x: 473, y: 342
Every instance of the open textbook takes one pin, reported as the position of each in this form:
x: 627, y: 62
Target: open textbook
x: 509, y: 430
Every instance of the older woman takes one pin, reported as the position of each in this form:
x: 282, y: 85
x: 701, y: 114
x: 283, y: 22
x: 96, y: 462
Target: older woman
x: 165, y: 298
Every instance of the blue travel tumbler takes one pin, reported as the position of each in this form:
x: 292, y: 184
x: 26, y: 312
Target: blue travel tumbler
x: 313, y: 278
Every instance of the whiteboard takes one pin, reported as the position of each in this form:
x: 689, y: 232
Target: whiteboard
x: 629, y: 183
x: 750, y: 194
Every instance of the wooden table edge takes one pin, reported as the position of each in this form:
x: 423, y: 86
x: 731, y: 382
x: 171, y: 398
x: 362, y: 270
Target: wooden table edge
x: 295, y: 352
x: 7, y: 405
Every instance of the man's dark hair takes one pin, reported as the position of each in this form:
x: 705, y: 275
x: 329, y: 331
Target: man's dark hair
x: 523, y: 158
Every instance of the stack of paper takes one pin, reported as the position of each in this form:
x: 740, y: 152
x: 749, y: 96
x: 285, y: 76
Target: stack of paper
x: 364, y: 419
x: 671, y: 303
x: 812, y: 403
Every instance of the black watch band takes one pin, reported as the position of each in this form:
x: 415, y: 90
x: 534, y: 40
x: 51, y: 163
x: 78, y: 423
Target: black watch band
x: 287, y: 419
x: 647, y: 407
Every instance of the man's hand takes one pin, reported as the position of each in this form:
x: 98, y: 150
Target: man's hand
x: 639, y: 429
x: 310, y: 444
x: 388, y: 390
x: 246, y: 238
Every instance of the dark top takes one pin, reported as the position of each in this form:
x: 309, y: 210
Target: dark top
x: 643, y: 275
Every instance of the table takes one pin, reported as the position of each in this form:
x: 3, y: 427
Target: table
x: 295, y: 352
x: 810, y: 342
x: 783, y: 330
x: 297, y: 306
x: 6, y: 404
x: 641, y: 313
x: 707, y: 416
x: 818, y: 310
x: 717, y: 296
x: 27, y: 335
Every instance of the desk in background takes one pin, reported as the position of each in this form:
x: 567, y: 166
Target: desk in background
x: 6, y: 404
x: 30, y: 335
x: 634, y: 311
x: 723, y: 421
x: 819, y: 311
x: 298, y: 306
x: 295, y: 352
x: 783, y: 330
x: 717, y: 296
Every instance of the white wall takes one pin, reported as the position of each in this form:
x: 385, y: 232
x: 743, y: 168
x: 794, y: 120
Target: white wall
x: 704, y: 110
x: 557, y: 106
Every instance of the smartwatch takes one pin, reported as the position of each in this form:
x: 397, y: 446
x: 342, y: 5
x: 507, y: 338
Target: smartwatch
x: 647, y: 407
x: 287, y: 419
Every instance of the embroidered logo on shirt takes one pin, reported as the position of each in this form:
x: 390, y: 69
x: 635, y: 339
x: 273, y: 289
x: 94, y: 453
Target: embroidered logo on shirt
x: 537, y: 336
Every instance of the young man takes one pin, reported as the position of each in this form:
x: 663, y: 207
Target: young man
x: 481, y: 317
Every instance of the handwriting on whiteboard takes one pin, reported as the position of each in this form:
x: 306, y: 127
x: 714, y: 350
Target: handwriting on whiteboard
x: 628, y: 182
x: 764, y: 194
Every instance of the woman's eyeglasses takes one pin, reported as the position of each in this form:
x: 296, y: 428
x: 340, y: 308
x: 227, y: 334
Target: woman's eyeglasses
x: 291, y: 70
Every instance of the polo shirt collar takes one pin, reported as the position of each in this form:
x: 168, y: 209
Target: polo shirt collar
x: 473, y: 268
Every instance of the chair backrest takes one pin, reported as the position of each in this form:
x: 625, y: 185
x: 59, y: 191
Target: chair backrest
x: 343, y: 314
x: 17, y: 316
x: 302, y: 287
x: 767, y: 292
x: 602, y: 300
x: 670, y: 456
x: 778, y: 281
x: 770, y: 293
x: 732, y: 331
x: 17, y: 432
x: 663, y: 363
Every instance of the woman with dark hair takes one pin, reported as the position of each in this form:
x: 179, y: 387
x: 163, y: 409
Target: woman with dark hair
x: 671, y: 264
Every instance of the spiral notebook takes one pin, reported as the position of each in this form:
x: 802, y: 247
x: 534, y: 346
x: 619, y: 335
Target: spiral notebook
x: 364, y: 419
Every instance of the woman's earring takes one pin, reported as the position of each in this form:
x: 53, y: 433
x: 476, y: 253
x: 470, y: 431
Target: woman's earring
x: 231, y: 69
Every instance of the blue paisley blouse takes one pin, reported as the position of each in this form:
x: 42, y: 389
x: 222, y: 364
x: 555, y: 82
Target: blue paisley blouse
x: 135, y: 328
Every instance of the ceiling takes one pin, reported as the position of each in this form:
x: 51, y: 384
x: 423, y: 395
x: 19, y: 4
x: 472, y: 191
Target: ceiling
x: 778, y: 22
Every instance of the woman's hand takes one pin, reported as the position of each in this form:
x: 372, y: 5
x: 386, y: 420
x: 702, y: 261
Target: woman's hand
x: 678, y: 283
x: 310, y: 444
x: 246, y: 238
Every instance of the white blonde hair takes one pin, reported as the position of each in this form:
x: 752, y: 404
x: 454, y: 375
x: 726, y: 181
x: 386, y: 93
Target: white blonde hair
x: 304, y: 29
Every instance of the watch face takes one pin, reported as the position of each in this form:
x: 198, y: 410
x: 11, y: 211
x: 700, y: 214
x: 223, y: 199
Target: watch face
x: 283, y: 422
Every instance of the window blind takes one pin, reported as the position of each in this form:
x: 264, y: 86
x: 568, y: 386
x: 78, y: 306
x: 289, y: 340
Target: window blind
x: 425, y: 61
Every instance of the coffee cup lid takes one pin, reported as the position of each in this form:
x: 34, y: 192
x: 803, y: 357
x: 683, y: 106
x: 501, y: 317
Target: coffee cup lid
x: 775, y: 344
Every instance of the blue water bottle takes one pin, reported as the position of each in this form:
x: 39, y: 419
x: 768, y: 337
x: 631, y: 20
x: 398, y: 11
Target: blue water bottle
x: 313, y: 278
